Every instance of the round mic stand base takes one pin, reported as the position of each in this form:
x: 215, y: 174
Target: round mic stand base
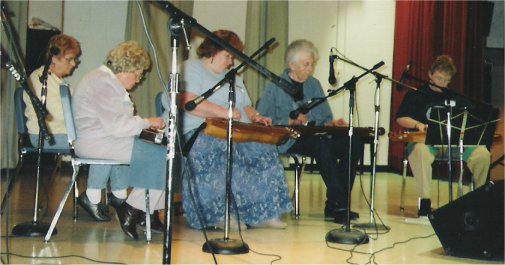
x: 342, y: 236
x: 32, y: 229
x: 225, y: 246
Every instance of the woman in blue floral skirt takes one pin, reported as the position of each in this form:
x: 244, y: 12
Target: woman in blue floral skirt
x: 258, y: 185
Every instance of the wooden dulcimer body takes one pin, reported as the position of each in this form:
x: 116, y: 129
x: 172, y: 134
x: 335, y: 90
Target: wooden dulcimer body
x: 247, y: 132
x: 338, y: 131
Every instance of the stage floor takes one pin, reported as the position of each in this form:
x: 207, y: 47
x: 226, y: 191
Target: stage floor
x: 409, y: 240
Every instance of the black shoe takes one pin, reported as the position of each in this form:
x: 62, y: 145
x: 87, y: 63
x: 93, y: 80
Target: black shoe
x: 129, y: 217
x: 114, y: 201
x: 424, y: 207
x: 332, y: 209
x: 353, y: 215
x: 340, y: 217
x: 96, y: 211
x: 156, y: 225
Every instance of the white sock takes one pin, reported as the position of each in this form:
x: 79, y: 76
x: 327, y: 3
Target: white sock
x: 120, y: 194
x: 94, y: 195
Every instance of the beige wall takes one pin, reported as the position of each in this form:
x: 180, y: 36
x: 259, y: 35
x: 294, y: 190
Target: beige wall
x: 362, y: 30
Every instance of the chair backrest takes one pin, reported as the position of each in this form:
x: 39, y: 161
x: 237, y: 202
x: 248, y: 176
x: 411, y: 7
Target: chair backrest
x: 19, y: 111
x: 67, y: 113
x: 158, y: 105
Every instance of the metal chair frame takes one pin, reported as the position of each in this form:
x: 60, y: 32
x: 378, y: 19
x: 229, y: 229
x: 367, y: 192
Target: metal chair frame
x: 24, y: 145
x: 405, y: 163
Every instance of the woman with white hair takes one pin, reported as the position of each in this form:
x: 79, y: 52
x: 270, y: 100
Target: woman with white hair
x: 107, y: 129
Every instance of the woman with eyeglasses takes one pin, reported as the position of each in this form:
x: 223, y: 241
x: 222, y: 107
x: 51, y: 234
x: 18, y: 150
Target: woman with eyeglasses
x: 63, y: 51
x: 412, y: 115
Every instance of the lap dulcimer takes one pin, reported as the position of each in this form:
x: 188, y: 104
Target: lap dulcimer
x: 247, y: 132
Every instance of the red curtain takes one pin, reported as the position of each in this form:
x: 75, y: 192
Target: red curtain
x: 424, y: 30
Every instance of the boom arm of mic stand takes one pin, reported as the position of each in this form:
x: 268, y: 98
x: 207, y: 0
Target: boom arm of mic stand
x: 379, y: 75
x: 174, y: 11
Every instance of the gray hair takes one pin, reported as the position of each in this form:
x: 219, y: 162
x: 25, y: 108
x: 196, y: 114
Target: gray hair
x: 300, y: 45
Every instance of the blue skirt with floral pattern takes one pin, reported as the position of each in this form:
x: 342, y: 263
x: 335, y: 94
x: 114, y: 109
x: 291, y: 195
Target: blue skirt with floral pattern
x: 258, y: 184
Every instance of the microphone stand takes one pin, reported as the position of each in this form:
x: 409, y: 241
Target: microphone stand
x: 345, y: 235
x: 227, y: 245
x: 372, y: 223
x: 176, y: 24
x: 33, y: 228
x: 449, y: 104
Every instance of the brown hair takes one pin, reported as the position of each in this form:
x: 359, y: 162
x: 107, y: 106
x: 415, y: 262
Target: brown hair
x: 61, y: 44
x: 209, y: 48
x: 443, y: 63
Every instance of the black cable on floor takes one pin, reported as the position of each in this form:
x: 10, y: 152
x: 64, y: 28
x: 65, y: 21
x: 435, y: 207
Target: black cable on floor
x: 63, y: 257
x: 197, y: 210
x: 372, y: 255
x: 371, y: 259
x: 278, y: 257
x: 374, y: 212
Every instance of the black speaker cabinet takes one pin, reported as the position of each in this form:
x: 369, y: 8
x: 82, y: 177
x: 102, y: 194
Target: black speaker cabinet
x: 472, y: 226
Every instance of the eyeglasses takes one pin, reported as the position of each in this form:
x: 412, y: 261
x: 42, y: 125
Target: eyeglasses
x: 70, y: 59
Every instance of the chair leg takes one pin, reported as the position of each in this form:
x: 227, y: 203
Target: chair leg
x: 71, y: 184
x: 299, y: 166
x: 74, y: 201
x: 404, y: 177
x: 460, y: 180
x: 148, y: 217
x: 10, y: 183
x: 296, y: 192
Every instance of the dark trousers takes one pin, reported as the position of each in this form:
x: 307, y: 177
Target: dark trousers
x: 332, y: 158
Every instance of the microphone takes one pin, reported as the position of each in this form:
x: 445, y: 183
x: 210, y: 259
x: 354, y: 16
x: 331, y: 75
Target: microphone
x: 303, y: 109
x: 191, y: 105
x: 331, y: 78
x: 51, y: 52
x: 403, y: 76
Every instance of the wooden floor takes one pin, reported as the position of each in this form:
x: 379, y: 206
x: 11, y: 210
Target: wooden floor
x: 409, y: 241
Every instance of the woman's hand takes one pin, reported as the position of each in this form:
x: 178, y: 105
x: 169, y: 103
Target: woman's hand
x: 156, y: 123
x: 257, y: 118
x: 235, y: 114
x: 337, y: 123
x: 300, y: 120
x: 421, y: 127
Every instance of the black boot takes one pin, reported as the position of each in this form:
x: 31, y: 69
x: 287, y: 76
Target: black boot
x: 424, y: 207
x: 114, y: 201
x: 335, y: 211
x: 156, y: 225
x: 129, y: 217
x: 97, y: 211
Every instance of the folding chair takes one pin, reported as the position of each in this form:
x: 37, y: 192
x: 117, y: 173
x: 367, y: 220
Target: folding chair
x: 76, y: 164
x: 24, y: 145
